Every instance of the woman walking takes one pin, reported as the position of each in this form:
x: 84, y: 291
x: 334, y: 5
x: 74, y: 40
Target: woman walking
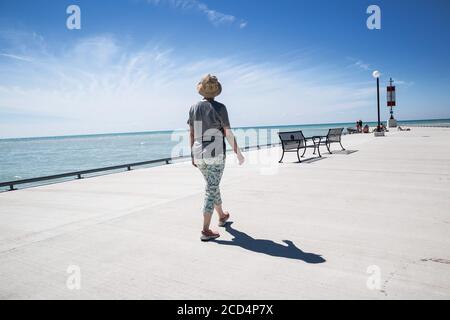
x: 209, y: 126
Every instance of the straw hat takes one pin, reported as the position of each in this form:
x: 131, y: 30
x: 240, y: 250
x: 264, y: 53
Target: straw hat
x: 209, y: 87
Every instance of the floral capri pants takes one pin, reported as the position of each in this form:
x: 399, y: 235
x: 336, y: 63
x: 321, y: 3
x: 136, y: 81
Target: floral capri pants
x: 213, y: 174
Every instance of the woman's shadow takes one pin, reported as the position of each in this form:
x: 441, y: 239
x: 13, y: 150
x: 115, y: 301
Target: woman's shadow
x: 268, y: 247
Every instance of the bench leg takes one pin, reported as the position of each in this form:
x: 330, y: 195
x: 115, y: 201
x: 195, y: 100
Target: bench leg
x: 282, y: 156
x: 317, y: 146
x: 328, y: 147
x: 304, y: 153
x: 318, y: 150
x: 343, y: 149
x: 298, y: 155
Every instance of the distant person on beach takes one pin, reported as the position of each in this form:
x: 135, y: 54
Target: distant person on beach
x: 366, y: 129
x: 359, y: 126
x: 209, y: 126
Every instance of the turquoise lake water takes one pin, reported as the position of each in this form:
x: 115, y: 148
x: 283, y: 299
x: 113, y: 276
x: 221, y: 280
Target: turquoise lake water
x: 24, y: 158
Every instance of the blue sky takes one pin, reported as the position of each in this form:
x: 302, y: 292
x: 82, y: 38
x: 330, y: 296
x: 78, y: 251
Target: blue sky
x: 134, y: 64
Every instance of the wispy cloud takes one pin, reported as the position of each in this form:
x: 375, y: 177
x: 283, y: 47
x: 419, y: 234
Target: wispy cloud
x: 359, y: 64
x: 16, y: 57
x: 104, y: 85
x: 404, y: 83
x: 215, y: 17
x: 362, y: 65
x: 23, y: 41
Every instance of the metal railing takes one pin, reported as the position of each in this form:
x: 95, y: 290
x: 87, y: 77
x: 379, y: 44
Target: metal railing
x: 129, y: 166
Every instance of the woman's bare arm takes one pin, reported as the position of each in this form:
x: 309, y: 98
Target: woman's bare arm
x: 233, y: 143
x: 191, y: 142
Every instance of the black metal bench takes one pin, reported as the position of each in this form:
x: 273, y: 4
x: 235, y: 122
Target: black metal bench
x: 295, y: 141
x: 334, y: 136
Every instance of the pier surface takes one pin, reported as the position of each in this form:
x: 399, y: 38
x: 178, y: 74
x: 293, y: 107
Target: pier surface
x: 369, y: 223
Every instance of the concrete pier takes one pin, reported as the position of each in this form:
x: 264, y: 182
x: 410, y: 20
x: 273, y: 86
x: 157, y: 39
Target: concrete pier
x: 369, y: 223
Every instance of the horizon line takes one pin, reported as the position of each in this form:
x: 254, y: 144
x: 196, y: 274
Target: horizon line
x: 180, y: 130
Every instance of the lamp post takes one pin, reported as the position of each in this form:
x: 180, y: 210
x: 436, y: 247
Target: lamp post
x: 376, y: 75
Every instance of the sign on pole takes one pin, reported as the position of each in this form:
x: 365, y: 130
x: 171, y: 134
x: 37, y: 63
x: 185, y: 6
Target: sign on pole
x: 391, y: 96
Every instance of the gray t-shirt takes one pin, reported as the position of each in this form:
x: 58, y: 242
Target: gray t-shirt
x: 209, y: 118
